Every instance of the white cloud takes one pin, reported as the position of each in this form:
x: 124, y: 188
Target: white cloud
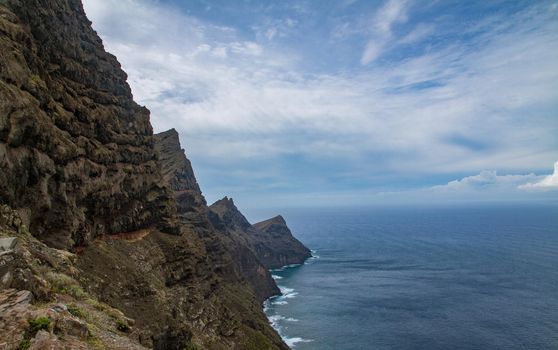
x: 421, y: 31
x: 239, y: 100
x: 372, y: 50
x: 487, y: 180
x: 391, y: 13
x: 549, y: 182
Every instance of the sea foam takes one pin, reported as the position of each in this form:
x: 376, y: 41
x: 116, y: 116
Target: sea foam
x: 292, y: 341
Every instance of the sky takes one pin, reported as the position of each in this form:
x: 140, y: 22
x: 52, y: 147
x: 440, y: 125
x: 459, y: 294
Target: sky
x: 348, y: 102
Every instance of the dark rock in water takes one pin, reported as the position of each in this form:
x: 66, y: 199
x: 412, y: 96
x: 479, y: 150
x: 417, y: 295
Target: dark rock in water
x: 271, y: 240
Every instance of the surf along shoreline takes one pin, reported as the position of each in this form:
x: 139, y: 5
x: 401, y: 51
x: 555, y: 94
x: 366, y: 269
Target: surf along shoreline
x: 271, y: 305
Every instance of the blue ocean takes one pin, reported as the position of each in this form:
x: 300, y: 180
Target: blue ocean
x: 482, y: 277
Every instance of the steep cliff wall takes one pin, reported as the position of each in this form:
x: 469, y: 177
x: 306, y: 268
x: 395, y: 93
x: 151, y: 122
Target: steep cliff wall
x: 271, y: 240
x: 76, y: 151
x: 194, y: 214
x: 276, y: 246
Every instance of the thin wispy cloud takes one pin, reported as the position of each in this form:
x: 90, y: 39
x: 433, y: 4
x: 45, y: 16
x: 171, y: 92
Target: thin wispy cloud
x: 427, y: 98
x: 390, y: 14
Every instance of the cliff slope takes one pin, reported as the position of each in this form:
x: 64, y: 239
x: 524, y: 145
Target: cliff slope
x: 115, y: 245
x: 271, y: 240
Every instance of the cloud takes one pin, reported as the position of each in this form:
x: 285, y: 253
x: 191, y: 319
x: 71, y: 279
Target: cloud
x: 240, y: 99
x: 487, y: 180
x: 391, y: 13
x: 549, y: 182
x: 486, y: 186
x: 421, y: 31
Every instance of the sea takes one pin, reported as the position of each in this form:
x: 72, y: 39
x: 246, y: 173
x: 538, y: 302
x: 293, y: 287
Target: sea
x: 449, y: 278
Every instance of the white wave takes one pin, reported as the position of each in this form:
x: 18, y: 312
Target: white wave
x: 291, y: 342
x: 266, y: 305
x: 287, y: 293
x: 285, y: 290
x: 280, y: 302
x: 276, y: 277
x: 290, y: 266
x: 283, y: 268
x: 274, y: 319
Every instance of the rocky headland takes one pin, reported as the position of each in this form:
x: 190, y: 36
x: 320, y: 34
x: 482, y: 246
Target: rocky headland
x: 106, y: 240
x: 271, y: 240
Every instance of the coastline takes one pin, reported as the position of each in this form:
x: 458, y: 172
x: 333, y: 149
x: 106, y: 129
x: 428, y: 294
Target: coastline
x: 282, y: 299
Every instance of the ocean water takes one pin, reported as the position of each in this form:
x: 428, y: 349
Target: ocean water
x: 422, y: 278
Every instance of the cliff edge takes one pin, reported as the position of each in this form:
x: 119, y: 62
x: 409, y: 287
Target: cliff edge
x: 106, y: 240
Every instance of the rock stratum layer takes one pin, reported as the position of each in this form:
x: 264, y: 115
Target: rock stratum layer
x: 106, y: 241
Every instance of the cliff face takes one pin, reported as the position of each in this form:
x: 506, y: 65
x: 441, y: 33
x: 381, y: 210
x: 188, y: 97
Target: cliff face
x: 276, y: 246
x: 271, y: 240
x: 178, y: 174
x: 91, y: 195
x: 194, y: 213
x: 76, y: 151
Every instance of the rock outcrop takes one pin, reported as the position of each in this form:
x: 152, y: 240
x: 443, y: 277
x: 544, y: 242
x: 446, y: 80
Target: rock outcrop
x: 76, y: 151
x: 276, y: 246
x: 271, y: 240
x: 107, y: 240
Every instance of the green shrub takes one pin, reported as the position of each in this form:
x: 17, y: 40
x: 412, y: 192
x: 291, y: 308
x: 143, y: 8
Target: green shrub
x: 75, y: 291
x: 76, y: 311
x: 35, y: 325
x: 38, y: 324
x: 24, y: 344
x: 65, y: 284
x: 122, y: 326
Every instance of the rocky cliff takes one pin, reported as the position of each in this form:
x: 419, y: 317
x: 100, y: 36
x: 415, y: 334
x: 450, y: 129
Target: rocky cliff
x: 106, y: 241
x: 276, y: 246
x: 194, y: 214
x: 271, y: 240
x: 76, y: 151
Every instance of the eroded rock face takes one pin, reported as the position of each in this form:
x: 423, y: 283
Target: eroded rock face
x: 178, y: 174
x: 240, y: 260
x: 76, y: 151
x: 276, y: 246
x: 271, y: 240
